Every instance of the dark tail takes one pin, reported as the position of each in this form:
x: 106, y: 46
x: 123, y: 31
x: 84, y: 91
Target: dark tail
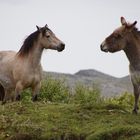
x: 2, y: 93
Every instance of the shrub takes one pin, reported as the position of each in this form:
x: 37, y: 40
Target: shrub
x: 125, y: 100
x: 86, y: 95
x: 26, y: 95
x: 54, y: 90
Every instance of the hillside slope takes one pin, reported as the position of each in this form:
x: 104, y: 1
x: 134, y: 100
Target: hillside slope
x: 92, y: 119
x: 108, y: 85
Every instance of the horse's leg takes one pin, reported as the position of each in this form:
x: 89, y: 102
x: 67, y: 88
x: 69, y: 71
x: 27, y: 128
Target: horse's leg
x: 18, y: 90
x: 5, y: 96
x: 2, y: 93
x: 35, y: 91
x: 136, y: 94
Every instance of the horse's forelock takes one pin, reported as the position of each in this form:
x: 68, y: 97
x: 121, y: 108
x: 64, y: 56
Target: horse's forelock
x: 44, y: 30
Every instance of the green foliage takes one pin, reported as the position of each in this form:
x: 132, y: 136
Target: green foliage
x: 26, y: 95
x: 61, y: 115
x: 116, y: 133
x: 126, y: 100
x: 54, y: 90
x: 84, y: 94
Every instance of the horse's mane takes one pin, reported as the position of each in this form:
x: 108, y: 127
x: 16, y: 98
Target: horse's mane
x: 28, y: 44
x: 136, y: 31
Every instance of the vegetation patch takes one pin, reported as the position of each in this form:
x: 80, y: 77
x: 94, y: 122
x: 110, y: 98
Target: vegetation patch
x: 60, y: 115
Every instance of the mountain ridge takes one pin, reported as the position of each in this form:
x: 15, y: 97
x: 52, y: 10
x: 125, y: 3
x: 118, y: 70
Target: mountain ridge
x: 108, y: 85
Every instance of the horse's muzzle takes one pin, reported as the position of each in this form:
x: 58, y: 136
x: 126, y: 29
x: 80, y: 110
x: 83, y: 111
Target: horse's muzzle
x: 103, y: 48
x: 61, y: 47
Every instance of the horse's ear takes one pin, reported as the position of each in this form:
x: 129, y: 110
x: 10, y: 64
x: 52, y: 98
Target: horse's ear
x: 132, y: 25
x: 46, y: 26
x: 123, y: 21
x: 38, y: 28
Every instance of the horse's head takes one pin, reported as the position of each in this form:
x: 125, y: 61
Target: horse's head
x: 48, y: 40
x: 119, y: 38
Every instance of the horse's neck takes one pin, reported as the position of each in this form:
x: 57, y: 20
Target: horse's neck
x: 132, y: 51
x: 35, y: 56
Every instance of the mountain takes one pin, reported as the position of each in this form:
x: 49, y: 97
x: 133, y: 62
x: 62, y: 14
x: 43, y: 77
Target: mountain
x: 108, y: 85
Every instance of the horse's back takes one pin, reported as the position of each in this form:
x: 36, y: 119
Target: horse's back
x: 5, y: 55
x: 6, y: 60
x: 6, y: 65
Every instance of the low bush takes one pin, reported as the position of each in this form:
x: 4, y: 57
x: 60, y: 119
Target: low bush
x: 84, y: 94
x: 54, y: 90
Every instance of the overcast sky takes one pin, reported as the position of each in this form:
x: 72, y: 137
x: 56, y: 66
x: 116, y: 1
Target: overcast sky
x: 81, y: 24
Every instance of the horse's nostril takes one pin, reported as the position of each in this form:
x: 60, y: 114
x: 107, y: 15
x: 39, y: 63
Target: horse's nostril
x: 61, y: 47
x: 104, y: 48
x: 101, y: 46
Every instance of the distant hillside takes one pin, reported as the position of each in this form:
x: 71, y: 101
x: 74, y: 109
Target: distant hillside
x: 108, y: 85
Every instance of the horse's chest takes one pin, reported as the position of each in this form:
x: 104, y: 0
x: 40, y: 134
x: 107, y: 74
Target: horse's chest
x: 34, y: 78
x: 28, y: 77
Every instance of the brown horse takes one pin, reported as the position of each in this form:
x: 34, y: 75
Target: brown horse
x: 127, y: 38
x: 23, y: 69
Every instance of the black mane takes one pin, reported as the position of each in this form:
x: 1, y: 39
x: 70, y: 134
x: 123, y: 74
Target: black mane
x: 28, y: 43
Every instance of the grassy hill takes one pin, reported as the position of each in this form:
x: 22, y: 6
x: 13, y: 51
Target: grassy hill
x: 61, y: 121
x: 60, y: 115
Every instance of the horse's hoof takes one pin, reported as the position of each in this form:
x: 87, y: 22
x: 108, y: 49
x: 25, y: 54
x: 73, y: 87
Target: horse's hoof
x: 34, y: 98
x: 18, y: 98
x: 3, y: 102
x: 135, y: 111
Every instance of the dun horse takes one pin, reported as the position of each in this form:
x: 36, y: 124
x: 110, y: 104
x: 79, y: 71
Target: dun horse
x: 23, y: 69
x: 127, y: 38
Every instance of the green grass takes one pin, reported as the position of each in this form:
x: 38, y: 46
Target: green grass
x: 83, y: 116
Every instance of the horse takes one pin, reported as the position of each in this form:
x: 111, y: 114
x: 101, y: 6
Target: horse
x: 22, y: 69
x: 127, y: 38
